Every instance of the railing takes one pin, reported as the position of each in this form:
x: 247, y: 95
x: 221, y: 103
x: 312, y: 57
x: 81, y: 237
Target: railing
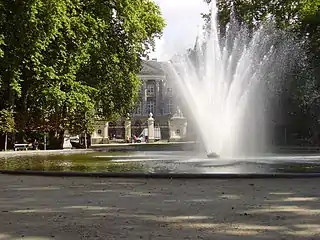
x: 150, y: 94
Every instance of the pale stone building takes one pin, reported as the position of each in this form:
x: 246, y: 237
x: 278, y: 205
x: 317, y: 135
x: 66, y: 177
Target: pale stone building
x: 157, y: 96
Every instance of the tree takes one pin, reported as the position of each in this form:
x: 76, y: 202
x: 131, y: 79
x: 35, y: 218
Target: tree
x: 67, y: 61
x: 7, y: 124
x: 286, y: 13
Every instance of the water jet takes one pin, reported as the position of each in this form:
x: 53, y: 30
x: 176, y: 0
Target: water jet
x: 225, y: 85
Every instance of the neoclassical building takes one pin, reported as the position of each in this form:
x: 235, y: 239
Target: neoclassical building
x: 156, y: 96
x: 156, y: 92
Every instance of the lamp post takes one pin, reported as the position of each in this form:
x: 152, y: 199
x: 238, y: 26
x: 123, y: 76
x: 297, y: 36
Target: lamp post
x: 85, y: 140
x: 45, y: 141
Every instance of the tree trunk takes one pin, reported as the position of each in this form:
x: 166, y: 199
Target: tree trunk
x: 61, y: 139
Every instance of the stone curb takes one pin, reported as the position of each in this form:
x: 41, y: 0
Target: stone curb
x: 163, y: 175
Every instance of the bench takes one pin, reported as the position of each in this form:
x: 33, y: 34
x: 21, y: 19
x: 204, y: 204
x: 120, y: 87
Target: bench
x: 21, y: 146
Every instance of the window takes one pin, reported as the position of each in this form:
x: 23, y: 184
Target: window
x: 169, y: 92
x: 138, y: 109
x: 150, y: 90
x: 150, y: 107
x: 170, y: 106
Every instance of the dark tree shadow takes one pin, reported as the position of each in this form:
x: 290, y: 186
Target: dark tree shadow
x: 79, y: 208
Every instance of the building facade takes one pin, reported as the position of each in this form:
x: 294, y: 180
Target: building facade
x: 156, y: 92
x: 156, y: 96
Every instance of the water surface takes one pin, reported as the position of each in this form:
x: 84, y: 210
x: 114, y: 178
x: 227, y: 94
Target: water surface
x: 161, y: 162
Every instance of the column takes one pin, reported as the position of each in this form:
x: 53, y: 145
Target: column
x: 66, y: 140
x: 106, y: 133
x: 144, y: 97
x: 150, y: 128
x: 177, y: 128
x: 157, y: 103
x: 127, y: 129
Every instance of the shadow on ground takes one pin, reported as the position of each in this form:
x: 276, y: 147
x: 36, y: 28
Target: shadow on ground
x: 79, y: 208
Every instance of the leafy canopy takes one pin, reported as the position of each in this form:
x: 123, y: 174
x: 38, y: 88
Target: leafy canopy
x: 63, y: 62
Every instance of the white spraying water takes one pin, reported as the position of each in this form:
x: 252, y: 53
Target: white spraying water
x: 225, y: 93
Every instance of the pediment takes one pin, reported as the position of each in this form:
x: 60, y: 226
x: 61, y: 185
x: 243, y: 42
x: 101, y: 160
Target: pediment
x: 149, y: 68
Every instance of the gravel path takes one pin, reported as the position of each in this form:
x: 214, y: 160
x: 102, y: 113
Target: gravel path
x: 41, y: 208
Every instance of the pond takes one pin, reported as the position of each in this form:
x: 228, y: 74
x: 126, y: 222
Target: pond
x: 160, y: 162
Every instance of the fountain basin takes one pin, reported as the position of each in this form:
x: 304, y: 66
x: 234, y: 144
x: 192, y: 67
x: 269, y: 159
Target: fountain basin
x: 164, y: 164
x: 213, y: 155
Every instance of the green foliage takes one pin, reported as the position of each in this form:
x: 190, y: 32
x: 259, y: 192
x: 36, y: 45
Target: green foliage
x: 286, y: 13
x: 7, y: 124
x: 310, y: 8
x: 63, y: 62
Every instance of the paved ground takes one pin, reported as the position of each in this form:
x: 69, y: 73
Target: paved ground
x: 106, y: 209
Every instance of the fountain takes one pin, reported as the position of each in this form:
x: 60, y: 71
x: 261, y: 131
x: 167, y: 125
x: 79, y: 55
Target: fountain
x: 225, y: 88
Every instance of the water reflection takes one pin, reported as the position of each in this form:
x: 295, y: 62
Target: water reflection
x: 160, y: 162
x: 85, y: 162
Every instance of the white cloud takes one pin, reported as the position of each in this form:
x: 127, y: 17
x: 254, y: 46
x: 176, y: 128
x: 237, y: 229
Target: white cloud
x: 183, y: 19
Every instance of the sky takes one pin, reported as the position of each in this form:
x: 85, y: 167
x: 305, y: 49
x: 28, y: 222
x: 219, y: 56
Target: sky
x: 183, y: 19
